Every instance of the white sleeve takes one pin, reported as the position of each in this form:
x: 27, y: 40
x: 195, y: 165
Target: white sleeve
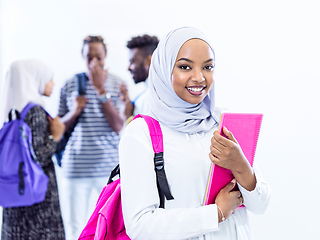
x: 257, y: 200
x: 139, y: 195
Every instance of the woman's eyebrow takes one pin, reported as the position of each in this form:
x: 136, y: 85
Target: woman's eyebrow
x: 209, y: 60
x: 185, y: 59
x: 188, y: 60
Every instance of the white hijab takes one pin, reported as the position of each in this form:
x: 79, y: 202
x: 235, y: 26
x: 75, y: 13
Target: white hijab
x: 165, y: 105
x: 25, y: 82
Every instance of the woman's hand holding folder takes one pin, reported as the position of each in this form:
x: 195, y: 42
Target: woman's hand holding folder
x: 226, y: 152
x: 228, y: 200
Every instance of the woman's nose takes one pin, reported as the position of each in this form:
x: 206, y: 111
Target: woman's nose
x: 197, y: 76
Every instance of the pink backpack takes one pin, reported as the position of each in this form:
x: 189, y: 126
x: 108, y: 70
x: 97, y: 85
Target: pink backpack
x: 106, y: 221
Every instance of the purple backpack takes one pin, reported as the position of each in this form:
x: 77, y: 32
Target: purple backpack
x: 106, y: 221
x: 22, y: 180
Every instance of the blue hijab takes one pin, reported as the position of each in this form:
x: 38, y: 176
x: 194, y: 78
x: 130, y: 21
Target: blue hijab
x: 165, y: 105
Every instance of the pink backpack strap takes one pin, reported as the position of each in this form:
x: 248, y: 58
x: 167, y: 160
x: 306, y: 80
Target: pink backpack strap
x: 155, y: 132
x: 157, y: 144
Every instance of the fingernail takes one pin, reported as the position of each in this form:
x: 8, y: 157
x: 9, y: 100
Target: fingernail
x: 233, y: 180
x: 226, y: 129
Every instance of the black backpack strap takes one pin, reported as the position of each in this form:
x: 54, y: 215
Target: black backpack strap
x: 81, y: 83
x: 10, y: 115
x: 114, y: 172
x: 162, y: 183
x: 81, y: 87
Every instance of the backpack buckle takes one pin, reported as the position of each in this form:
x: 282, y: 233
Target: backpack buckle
x: 158, y: 161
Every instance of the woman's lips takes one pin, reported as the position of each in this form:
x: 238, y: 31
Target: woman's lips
x: 196, y: 90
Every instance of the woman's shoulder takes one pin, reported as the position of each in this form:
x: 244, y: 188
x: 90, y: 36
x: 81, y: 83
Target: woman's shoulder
x: 37, y: 109
x: 136, y: 133
x: 137, y: 126
x: 36, y: 113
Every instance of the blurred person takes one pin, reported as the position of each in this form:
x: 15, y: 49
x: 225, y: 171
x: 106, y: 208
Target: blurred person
x: 27, y: 81
x: 140, y: 52
x: 92, y: 149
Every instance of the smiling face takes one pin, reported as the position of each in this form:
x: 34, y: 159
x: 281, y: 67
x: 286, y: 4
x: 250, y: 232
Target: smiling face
x: 192, y: 74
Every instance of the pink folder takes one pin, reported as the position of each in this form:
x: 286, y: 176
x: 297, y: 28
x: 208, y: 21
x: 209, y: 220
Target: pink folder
x: 245, y: 127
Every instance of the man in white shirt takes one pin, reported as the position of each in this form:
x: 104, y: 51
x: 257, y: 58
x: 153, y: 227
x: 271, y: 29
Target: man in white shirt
x: 141, y: 49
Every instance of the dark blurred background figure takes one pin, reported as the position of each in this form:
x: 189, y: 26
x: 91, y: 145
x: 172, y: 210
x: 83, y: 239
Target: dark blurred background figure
x: 92, y: 149
x: 140, y: 52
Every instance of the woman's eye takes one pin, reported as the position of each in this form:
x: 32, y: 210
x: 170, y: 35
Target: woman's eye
x: 209, y: 67
x: 184, y: 67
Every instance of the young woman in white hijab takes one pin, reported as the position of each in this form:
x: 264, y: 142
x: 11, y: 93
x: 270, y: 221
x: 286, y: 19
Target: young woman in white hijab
x: 27, y: 81
x: 182, y: 100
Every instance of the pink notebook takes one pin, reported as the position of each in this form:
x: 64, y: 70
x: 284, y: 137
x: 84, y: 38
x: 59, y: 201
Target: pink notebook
x: 245, y: 127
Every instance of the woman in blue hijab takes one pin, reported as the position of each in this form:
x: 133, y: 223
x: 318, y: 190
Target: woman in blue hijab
x: 181, y: 94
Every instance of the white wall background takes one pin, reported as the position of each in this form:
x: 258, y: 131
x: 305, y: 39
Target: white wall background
x: 267, y: 60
